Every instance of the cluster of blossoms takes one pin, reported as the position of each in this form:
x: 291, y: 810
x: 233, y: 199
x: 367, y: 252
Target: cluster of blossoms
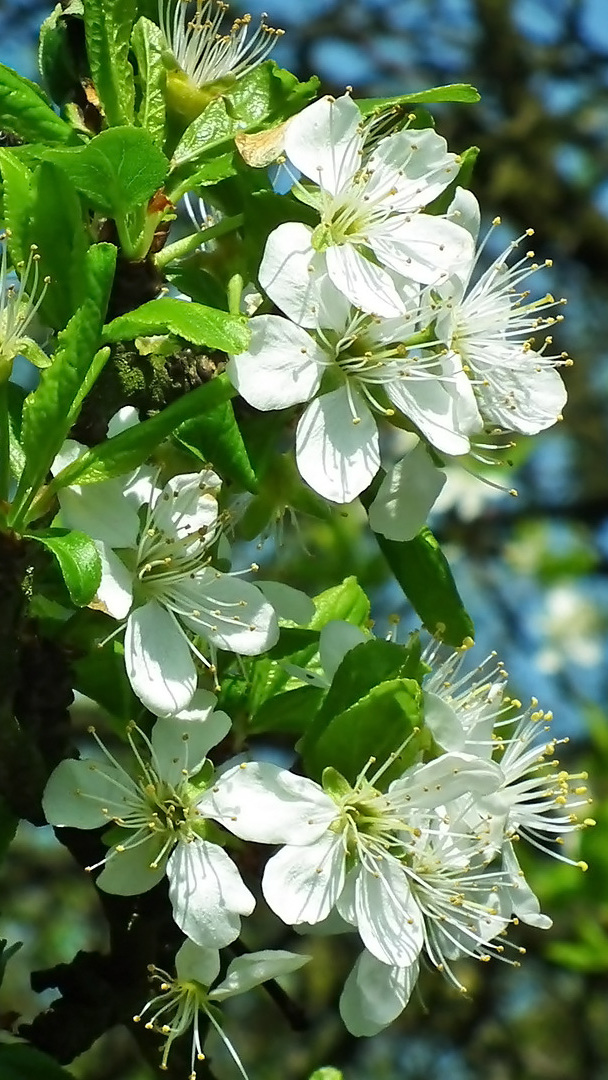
x: 381, y: 319
x: 422, y: 866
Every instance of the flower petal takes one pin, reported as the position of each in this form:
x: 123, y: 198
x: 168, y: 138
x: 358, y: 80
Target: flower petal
x: 365, y: 284
x: 158, y: 660
x: 86, y: 794
x: 410, y: 169
x: 324, y: 142
x: 388, y: 918
x: 291, y: 605
x: 447, y: 777
x: 259, y: 801
x: 295, y: 277
x: 518, y: 393
x: 115, y: 592
x: 245, y: 972
x: 336, y: 456
x: 406, y: 495
x: 186, y: 504
x: 101, y: 511
x: 424, y: 248
x: 282, y: 366
x: 433, y: 407
x: 134, y: 869
x: 525, y: 903
x: 194, y: 962
x: 302, y: 884
x: 230, y: 613
x: 375, y: 994
x: 181, y: 746
x: 207, y: 894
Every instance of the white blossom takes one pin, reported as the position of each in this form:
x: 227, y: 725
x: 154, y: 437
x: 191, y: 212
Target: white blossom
x: 158, y: 576
x: 344, y: 845
x: 490, y: 324
x: 206, y: 54
x: 188, y: 998
x: 161, y: 809
x: 350, y: 367
x: 370, y: 207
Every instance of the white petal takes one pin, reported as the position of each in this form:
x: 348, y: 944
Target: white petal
x: 425, y: 248
x: 259, y: 801
x: 295, y: 277
x: 181, y: 746
x: 464, y: 210
x: 406, y: 495
x: 194, y: 962
x: 101, y: 511
x: 324, y: 142
x: 115, y: 592
x: 232, y: 614
x: 207, y: 894
x: 525, y: 903
x: 70, y: 451
x: 158, y: 660
x: 443, y: 722
x: 336, y: 456
x: 410, y: 169
x: 388, y: 918
x: 520, y: 396
x: 375, y: 994
x: 291, y: 605
x: 365, y: 284
x: 282, y: 366
x: 125, y: 418
x: 447, y: 777
x: 337, y: 638
x: 186, y: 504
x: 129, y: 872
x: 302, y: 884
x: 200, y: 708
x: 245, y: 972
x: 86, y: 794
x: 433, y: 407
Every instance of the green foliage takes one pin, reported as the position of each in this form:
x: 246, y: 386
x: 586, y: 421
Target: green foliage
x: 24, y: 110
x: 130, y: 448
x: 50, y: 411
x: 215, y: 438
x: 18, y: 1061
x: 78, y: 561
x: 424, y: 574
x: 16, y: 204
x: 62, y: 242
x: 195, y: 322
x: 148, y: 48
x: 460, y: 92
x: 108, y: 25
x: 326, y: 1073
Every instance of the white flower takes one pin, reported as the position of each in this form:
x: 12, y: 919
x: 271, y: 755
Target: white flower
x: 344, y: 845
x: 186, y: 999
x: 489, y: 326
x: 571, y: 627
x: 369, y: 205
x: 203, y: 52
x: 158, y: 576
x: 405, y: 496
x: 19, y: 305
x: 350, y: 366
x: 162, y: 810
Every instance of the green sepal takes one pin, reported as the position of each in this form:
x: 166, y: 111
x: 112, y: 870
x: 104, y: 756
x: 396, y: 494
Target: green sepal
x: 24, y: 110
x: 196, y: 323
x: 78, y: 560
x: 334, y: 783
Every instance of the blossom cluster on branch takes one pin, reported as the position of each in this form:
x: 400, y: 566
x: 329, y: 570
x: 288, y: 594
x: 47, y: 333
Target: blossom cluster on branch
x: 192, y: 389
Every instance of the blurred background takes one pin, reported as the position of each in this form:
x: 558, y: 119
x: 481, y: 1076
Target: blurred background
x: 533, y: 570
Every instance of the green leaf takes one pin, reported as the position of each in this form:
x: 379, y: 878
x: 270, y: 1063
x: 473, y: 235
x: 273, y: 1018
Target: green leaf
x: 424, y: 574
x: 16, y: 199
x: 215, y: 438
x: 99, y: 672
x: 78, y: 561
x: 55, y: 59
x: 459, y: 92
x: 18, y: 1061
x: 148, y: 46
x: 130, y: 448
x: 108, y: 25
x: 326, y: 1073
x: 290, y: 712
x: 196, y: 323
x: 58, y: 230
x: 16, y: 397
x: 376, y: 726
x: 346, y: 601
x: 6, y: 953
x: 117, y: 172
x: 25, y: 112
x: 50, y: 411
